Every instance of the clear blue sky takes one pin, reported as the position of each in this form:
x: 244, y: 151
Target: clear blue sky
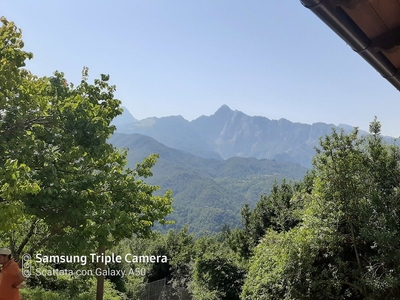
x: 271, y: 58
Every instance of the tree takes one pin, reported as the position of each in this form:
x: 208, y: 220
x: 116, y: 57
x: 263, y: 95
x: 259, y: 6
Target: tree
x: 346, y: 245
x: 58, y: 170
x: 218, y: 272
x: 276, y: 211
x: 15, y: 179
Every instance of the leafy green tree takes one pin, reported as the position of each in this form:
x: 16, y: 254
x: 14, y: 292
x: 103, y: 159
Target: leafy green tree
x: 346, y: 245
x: 15, y: 178
x: 176, y: 246
x: 277, y: 211
x: 57, y: 169
x: 218, y: 272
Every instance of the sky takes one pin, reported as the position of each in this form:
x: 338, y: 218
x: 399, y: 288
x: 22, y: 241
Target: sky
x: 270, y: 58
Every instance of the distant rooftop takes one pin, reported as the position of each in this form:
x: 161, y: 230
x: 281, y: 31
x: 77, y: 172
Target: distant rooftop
x: 370, y: 27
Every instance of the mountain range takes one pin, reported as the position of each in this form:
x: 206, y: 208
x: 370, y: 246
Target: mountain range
x: 215, y: 164
x: 230, y: 133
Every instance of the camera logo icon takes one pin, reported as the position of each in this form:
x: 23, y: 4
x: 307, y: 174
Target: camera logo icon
x: 26, y: 265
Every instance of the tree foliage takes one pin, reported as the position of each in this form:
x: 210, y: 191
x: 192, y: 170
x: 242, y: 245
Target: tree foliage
x: 218, y: 272
x: 346, y: 244
x: 15, y: 177
x: 275, y: 211
x: 57, y: 169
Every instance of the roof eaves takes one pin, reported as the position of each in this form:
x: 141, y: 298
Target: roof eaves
x: 337, y: 19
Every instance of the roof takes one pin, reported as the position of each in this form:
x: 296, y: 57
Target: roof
x: 370, y: 27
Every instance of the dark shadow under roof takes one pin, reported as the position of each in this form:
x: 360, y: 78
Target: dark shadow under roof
x: 370, y: 27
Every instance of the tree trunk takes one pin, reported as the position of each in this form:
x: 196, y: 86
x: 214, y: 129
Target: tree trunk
x: 100, y: 279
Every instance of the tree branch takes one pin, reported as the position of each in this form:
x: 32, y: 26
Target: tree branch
x: 27, y: 237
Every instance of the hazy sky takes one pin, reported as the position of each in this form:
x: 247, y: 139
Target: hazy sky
x: 271, y: 58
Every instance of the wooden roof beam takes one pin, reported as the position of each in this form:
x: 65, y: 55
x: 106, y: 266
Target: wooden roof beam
x: 349, y: 3
x: 387, y: 41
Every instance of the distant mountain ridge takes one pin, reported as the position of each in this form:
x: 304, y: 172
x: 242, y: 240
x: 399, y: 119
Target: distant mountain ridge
x: 230, y: 133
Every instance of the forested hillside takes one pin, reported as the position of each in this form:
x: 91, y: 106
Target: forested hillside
x: 208, y: 193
